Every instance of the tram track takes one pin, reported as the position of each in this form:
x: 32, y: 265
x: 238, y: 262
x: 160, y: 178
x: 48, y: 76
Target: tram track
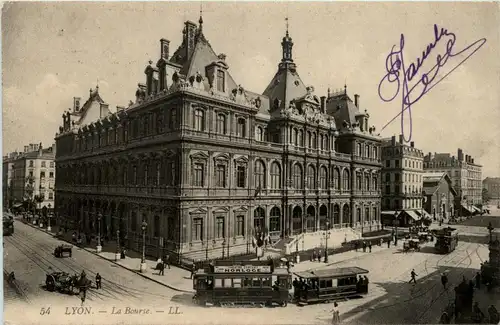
x: 109, y: 286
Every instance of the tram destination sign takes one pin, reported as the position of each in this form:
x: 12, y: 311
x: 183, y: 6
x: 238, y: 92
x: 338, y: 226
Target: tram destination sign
x: 243, y: 269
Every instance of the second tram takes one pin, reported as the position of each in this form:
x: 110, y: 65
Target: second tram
x: 446, y: 240
x: 242, y: 283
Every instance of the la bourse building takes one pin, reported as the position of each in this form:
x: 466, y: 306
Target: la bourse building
x: 208, y: 164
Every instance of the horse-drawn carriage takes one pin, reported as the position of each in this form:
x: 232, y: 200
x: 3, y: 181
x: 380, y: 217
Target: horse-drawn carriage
x: 61, y: 249
x: 65, y: 283
x: 424, y: 236
x: 411, y: 244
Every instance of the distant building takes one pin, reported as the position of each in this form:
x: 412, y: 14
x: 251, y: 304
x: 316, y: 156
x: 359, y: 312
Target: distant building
x: 464, y: 172
x: 402, y: 168
x: 209, y: 165
x: 28, y: 174
x: 492, y: 185
x: 439, y: 195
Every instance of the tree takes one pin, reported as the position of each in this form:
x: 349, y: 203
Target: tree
x: 486, y: 196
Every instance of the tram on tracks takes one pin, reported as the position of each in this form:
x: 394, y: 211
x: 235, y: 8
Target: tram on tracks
x: 446, y: 240
x: 244, y: 283
x: 330, y: 285
x: 8, y: 225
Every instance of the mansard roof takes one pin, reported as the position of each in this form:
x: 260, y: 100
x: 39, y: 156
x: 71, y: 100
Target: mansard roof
x: 285, y: 86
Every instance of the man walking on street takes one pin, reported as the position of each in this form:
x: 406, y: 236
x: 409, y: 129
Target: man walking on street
x: 166, y: 260
x: 370, y: 246
x: 161, y: 265
x: 413, y: 275
x: 98, y: 281
x: 444, y: 280
x: 193, y: 270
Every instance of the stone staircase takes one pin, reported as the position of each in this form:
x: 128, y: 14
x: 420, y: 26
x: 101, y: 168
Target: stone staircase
x: 310, y: 240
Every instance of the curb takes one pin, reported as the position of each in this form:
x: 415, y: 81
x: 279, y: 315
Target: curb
x: 114, y: 262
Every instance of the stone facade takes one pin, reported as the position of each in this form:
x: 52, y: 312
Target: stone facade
x: 465, y: 175
x: 402, y: 168
x: 36, y: 163
x: 208, y: 164
x: 492, y: 185
x: 440, y: 195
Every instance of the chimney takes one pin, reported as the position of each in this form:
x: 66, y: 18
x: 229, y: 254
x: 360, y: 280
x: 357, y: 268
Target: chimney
x: 104, y: 110
x: 356, y: 100
x: 76, y: 104
x: 26, y: 148
x: 401, y: 139
x: 466, y: 158
x: 393, y: 140
x: 323, y: 104
x: 412, y: 144
x: 165, y: 48
x: 189, y: 38
x: 472, y: 160
x: 460, y: 155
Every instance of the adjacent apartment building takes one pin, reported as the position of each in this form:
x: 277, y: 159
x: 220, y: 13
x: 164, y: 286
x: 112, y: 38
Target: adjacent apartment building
x: 209, y: 165
x: 439, y: 195
x: 465, y: 174
x: 28, y: 174
x: 402, y: 169
x: 492, y: 185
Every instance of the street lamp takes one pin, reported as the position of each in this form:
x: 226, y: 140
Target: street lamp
x: 99, y: 247
x: 327, y: 235
x: 118, y: 253
x: 48, y: 217
x: 396, y: 223
x: 490, y: 230
x: 144, y: 225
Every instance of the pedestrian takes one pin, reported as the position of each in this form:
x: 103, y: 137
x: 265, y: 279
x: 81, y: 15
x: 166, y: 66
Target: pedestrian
x: 494, y: 316
x: 335, y: 314
x: 83, y: 295
x: 444, y: 280
x: 389, y: 243
x: 98, y: 280
x: 477, y: 314
x: 381, y: 241
x: 370, y: 246
x: 166, y: 260
x: 478, y: 280
x: 356, y: 245
x: 413, y: 276
x: 193, y: 270
x: 319, y: 255
x: 313, y: 258
x: 161, y: 266
x: 364, y: 247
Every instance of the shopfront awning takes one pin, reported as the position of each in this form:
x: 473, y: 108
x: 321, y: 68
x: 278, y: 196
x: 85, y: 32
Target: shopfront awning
x: 412, y: 214
x: 475, y: 209
x: 17, y: 205
x: 467, y: 209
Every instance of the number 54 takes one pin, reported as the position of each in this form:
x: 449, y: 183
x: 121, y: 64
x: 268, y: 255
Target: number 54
x: 45, y: 311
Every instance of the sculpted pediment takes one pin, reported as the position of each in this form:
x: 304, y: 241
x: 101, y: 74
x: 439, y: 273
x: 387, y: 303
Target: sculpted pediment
x: 221, y: 157
x: 242, y: 160
x: 169, y: 153
x: 241, y: 209
x: 221, y: 210
x: 200, y: 155
x: 198, y: 211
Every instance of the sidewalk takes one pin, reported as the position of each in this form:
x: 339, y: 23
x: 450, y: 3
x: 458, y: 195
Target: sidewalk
x: 178, y: 279
x: 175, y: 278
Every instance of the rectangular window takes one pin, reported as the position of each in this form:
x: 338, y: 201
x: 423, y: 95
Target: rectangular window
x: 51, y: 196
x: 221, y: 83
x: 396, y: 189
x: 396, y: 177
x: 31, y: 174
x: 51, y: 164
x: 240, y: 225
x: 219, y: 227
x: 387, y: 163
x: 397, y: 163
x: 43, y: 164
x: 220, y: 175
x: 42, y: 174
x: 51, y: 175
x: 240, y: 176
x: 197, y: 231
x: 387, y: 189
x: 173, y: 119
x: 198, y: 175
x: 237, y: 283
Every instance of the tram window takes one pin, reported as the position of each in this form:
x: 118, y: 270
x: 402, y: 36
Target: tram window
x: 274, y: 278
x: 247, y: 282
x: 237, y: 283
x: 219, y: 283
x: 283, y: 282
x: 266, y: 282
x: 256, y: 282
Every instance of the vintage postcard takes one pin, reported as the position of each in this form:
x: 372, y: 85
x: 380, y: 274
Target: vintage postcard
x: 251, y: 162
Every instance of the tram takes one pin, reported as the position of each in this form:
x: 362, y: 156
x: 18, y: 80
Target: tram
x: 231, y: 283
x: 446, y: 240
x: 8, y: 225
x: 330, y: 284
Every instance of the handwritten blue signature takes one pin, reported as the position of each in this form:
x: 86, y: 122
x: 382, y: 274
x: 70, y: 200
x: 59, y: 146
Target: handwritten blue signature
x: 396, y: 69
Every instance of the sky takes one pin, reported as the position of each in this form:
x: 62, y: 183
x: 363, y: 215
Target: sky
x: 55, y: 51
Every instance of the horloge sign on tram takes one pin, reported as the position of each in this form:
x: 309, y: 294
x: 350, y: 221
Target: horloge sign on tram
x: 243, y: 269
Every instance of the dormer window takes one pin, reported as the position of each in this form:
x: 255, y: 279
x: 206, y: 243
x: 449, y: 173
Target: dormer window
x: 221, y: 81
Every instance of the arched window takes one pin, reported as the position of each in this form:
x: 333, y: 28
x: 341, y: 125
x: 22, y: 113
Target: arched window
x: 300, y: 140
x: 274, y: 219
x: 297, y: 177
x: 374, y: 182
x: 367, y: 151
x: 156, y: 226
x: 346, y: 182
x: 221, y: 124
x: 336, y: 179
x: 199, y: 120
x: 314, y: 143
x: 260, y: 174
x: 241, y: 130
x: 358, y: 149
x: 146, y: 174
x: 367, y: 182
x: 321, y: 142
x: 322, y: 178
x: 311, y: 177
x: 259, y: 134
x: 325, y: 143
x: 308, y: 139
x: 295, y: 137
x: 275, y: 176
